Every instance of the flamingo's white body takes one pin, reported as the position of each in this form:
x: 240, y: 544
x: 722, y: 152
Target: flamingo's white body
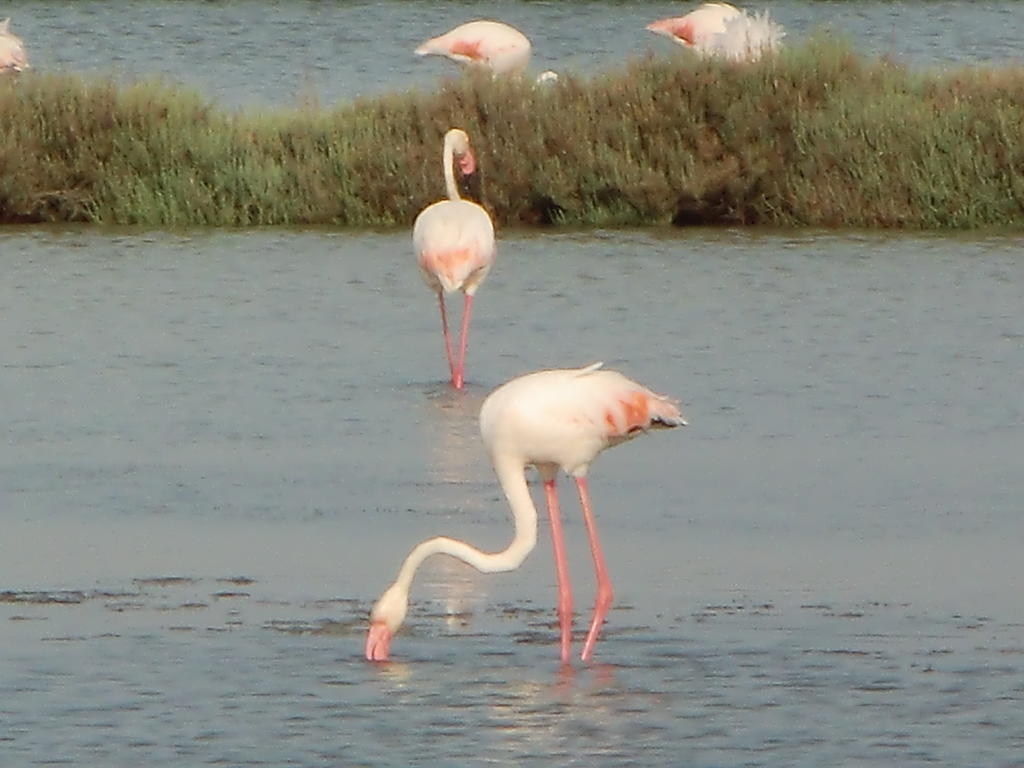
x: 502, y: 49
x: 12, y: 50
x: 558, y: 419
x: 723, y: 30
x: 454, y: 244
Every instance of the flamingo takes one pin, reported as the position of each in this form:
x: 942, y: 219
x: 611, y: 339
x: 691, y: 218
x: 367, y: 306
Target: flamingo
x: 556, y: 419
x: 721, y: 29
x: 454, y: 244
x: 492, y: 45
x: 12, y: 50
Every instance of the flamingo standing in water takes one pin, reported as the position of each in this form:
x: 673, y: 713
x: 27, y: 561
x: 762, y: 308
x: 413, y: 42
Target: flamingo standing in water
x: 502, y: 49
x: 454, y: 244
x: 560, y: 419
x: 721, y: 29
x: 12, y: 50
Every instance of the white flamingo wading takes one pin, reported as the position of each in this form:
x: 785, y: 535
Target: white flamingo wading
x: 12, y: 50
x: 454, y: 244
x: 722, y: 30
x: 557, y: 419
x: 491, y: 45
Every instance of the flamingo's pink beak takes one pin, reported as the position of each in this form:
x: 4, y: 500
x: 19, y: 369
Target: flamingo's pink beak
x: 467, y: 163
x: 378, y: 642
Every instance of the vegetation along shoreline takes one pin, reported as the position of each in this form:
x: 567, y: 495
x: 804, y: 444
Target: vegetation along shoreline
x: 816, y: 135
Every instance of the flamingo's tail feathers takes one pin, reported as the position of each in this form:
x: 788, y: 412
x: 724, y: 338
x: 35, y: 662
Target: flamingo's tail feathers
x: 659, y: 423
x: 665, y: 413
x: 426, y: 49
x: 436, y: 46
x: 589, y: 369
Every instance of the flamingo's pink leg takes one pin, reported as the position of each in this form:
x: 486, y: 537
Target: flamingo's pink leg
x: 460, y: 369
x: 604, y: 597
x: 447, y: 338
x: 561, y: 568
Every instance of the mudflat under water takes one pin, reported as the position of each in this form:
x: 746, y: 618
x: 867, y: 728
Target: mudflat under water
x: 249, y: 53
x: 219, y: 446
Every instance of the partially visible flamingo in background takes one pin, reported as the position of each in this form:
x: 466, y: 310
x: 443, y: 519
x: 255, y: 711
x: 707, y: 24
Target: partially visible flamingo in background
x: 721, y: 29
x: 502, y: 49
x: 558, y: 419
x: 12, y: 50
x: 454, y: 244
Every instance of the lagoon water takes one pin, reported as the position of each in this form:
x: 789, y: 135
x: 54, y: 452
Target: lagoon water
x: 219, y: 445
x: 255, y: 54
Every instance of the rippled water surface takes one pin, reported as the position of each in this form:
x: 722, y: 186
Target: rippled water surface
x: 287, y: 53
x: 219, y: 446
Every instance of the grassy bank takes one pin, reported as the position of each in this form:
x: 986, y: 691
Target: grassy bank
x: 817, y: 136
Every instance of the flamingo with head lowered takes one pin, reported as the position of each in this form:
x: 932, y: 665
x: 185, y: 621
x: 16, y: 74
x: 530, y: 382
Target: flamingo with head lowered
x: 558, y: 419
x: 722, y: 30
x: 492, y: 45
x: 454, y: 244
x: 12, y: 50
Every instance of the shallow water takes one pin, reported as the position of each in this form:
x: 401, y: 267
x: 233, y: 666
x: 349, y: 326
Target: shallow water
x: 248, y: 53
x: 219, y: 446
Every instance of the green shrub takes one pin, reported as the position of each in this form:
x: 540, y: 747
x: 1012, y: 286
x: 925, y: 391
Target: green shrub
x: 817, y: 136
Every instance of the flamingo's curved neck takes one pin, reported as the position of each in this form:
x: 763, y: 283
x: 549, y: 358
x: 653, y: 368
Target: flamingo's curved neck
x: 511, y: 475
x: 448, y: 155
